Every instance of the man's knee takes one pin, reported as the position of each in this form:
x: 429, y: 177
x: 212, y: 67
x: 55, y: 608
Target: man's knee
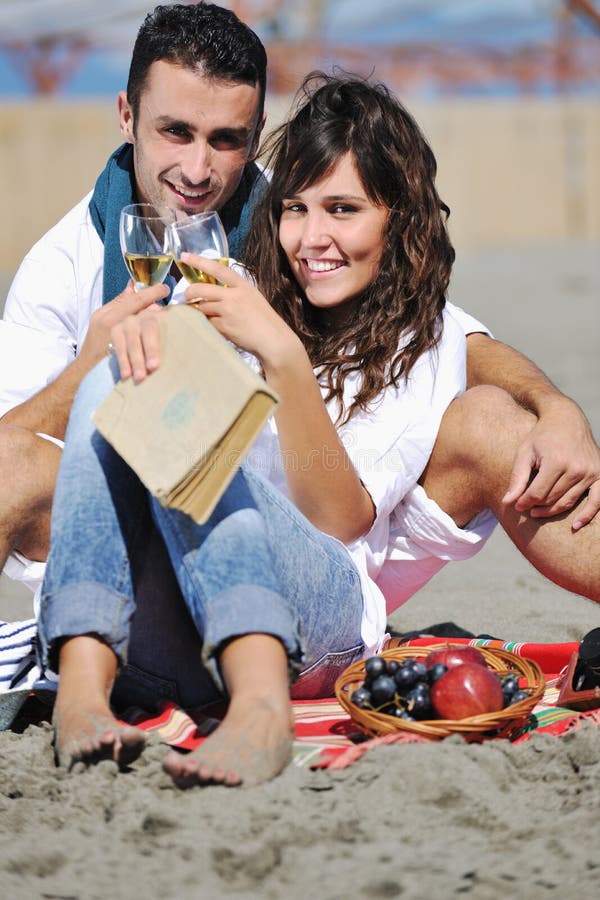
x: 29, y: 450
x: 28, y: 468
x: 474, y: 451
x: 483, y: 423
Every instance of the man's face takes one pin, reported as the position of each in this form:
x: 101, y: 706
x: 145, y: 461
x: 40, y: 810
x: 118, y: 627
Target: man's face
x: 192, y: 137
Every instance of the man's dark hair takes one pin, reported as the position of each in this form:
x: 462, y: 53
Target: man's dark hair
x: 197, y: 35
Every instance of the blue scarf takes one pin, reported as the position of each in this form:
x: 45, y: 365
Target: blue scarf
x: 115, y: 188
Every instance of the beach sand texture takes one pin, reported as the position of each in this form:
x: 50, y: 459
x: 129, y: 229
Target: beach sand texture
x: 419, y: 821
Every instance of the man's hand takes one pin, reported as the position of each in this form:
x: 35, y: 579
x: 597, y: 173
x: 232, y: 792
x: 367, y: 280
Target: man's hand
x: 559, y: 460
x: 128, y: 303
x: 557, y: 463
x: 136, y: 342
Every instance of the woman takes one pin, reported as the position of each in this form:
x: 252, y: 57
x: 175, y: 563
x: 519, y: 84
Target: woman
x: 352, y: 260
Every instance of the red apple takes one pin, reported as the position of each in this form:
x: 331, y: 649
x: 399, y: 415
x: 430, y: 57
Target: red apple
x: 466, y: 690
x: 454, y: 656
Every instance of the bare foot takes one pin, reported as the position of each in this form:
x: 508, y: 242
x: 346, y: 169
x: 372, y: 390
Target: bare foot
x: 252, y: 744
x: 93, y: 734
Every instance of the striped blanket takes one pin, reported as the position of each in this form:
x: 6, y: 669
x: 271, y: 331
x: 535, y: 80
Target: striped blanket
x: 18, y: 663
x: 325, y: 735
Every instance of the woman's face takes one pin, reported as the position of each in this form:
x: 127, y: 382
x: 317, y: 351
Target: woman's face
x: 332, y: 235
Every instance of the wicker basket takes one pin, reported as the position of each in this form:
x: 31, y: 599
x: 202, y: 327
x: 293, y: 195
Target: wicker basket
x: 475, y: 728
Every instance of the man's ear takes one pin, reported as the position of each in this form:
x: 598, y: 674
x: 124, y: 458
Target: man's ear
x: 253, y: 149
x: 125, y: 118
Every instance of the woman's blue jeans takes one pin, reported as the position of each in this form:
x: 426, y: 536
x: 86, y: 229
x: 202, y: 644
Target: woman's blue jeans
x: 256, y: 566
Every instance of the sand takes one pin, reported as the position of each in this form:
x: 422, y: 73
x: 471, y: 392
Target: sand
x: 419, y: 821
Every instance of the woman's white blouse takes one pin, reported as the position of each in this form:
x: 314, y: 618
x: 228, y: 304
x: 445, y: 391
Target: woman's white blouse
x: 389, y: 446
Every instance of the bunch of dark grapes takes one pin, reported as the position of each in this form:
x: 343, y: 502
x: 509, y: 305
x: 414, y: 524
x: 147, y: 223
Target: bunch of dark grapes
x: 510, y: 690
x: 402, y: 689
x: 399, y: 689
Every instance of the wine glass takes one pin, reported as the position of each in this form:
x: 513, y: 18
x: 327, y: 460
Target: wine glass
x: 202, y: 234
x: 144, y: 243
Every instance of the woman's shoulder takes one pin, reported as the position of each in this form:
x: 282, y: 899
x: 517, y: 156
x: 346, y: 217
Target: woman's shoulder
x: 453, y: 332
x: 468, y: 323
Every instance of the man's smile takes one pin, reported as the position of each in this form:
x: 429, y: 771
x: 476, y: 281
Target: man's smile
x: 188, y: 194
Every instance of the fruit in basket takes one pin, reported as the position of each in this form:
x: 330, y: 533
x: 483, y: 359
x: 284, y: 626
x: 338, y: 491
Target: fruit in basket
x: 510, y: 685
x: 425, y: 696
x: 418, y: 701
x: 517, y: 697
x: 409, y: 673
x: 466, y: 690
x: 427, y: 688
x: 454, y: 656
x: 383, y: 690
x: 436, y: 671
x: 374, y: 667
x: 361, y: 697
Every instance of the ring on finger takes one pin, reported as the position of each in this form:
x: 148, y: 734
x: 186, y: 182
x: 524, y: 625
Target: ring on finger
x: 110, y: 349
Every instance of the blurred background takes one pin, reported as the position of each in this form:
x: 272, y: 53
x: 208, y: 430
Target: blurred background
x: 507, y: 92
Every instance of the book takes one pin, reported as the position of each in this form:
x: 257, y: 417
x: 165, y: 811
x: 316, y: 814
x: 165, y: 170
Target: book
x: 186, y: 428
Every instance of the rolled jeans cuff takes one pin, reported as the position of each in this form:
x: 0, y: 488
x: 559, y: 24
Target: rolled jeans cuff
x: 254, y: 610
x: 84, y: 608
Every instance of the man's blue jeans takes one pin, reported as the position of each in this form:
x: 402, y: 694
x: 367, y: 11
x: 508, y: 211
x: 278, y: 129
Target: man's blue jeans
x: 257, y: 566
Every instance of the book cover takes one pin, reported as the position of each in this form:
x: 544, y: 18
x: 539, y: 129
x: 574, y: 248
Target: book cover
x: 185, y: 429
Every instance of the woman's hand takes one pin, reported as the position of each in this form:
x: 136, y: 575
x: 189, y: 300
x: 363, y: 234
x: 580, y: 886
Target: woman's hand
x: 239, y: 311
x: 321, y: 478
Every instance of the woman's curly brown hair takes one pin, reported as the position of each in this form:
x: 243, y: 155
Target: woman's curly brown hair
x: 399, y: 315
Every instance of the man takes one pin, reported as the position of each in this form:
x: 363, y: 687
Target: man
x: 191, y: 118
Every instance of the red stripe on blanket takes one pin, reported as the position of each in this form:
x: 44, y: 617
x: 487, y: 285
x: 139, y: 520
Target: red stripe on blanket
x: 552, y: 658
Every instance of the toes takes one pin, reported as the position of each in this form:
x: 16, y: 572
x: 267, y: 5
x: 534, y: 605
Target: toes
x: 232, y: 779
x: 182, y: 777
x: 177, y: 766
x: 122, y: 746
x: 173, y: 763
x: 131, y: 743
x: 190, y: 770
x: 219, y: 775
x: 105, y: 742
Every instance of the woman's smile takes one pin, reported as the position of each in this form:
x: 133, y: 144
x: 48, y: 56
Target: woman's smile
x: 320, y: 266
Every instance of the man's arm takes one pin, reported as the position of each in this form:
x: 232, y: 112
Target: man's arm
x: 48, y: 410
x: 560, y: 460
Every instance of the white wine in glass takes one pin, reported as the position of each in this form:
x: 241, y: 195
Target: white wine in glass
x: 202, y: 234
x: 142, y: 230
